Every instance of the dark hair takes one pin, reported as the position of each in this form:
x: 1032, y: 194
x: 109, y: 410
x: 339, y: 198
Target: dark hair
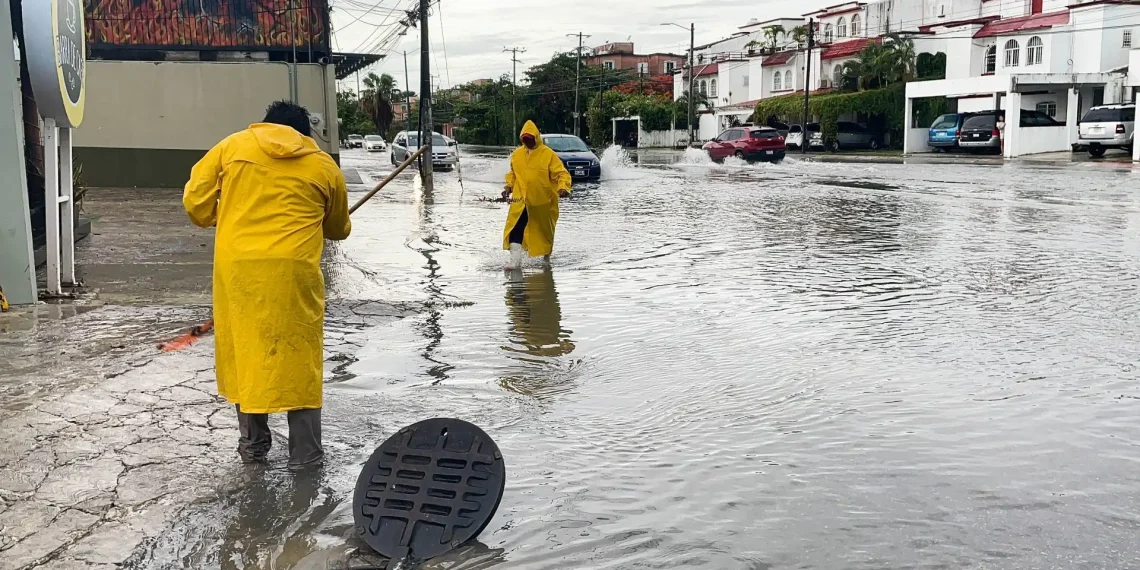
x: 289, y: 114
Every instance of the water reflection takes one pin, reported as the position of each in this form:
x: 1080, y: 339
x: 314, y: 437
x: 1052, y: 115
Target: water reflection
x: 535, y: 316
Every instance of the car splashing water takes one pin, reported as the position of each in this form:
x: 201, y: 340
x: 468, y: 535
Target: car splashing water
x: 831, y: 366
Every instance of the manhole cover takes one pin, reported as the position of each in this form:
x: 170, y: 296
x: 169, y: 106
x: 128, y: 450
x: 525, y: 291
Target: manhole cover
x: 428, y: 489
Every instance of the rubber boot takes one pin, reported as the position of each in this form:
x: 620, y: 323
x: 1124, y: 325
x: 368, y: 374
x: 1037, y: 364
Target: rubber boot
x: 516, y: 256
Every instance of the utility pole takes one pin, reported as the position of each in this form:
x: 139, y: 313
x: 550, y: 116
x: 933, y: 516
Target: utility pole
x: 293, y: 95
x: 577, y: 83
x: 692, y: 81
x: 807, y: 86
x: 425, y: 98
x: 407, y: 89
x: 514, y: 84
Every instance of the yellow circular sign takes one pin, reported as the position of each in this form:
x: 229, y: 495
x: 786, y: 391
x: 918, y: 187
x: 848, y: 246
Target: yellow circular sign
x: 57, y: 58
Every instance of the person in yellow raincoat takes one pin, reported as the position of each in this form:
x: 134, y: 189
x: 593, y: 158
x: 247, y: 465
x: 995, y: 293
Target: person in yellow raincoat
x: 536, y: 181
x: 274, y: 197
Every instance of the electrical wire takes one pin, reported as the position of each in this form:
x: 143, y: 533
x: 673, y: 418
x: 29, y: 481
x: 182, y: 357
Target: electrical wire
x: 443, y: 37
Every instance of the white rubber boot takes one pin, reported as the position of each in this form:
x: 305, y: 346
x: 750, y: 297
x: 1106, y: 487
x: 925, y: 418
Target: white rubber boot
x: 516, y: 256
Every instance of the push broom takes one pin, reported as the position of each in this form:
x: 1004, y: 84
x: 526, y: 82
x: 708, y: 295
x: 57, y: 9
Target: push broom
x: 190, y: 337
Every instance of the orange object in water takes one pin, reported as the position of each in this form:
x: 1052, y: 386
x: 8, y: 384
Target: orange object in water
x: 188, y: 339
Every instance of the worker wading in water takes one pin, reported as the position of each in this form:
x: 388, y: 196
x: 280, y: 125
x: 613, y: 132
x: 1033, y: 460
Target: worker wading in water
x: 536, y: 181
x: 274, y: 197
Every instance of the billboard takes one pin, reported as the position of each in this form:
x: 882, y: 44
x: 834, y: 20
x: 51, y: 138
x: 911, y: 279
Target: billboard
x: 240, y: 25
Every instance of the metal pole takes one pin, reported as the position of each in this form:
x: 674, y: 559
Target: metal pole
x: 807, y: 87
x: 293, y: 62
x: 425, y: 98
x: 407, y: 97
x: 51, y: 205
x: 577, y: 84
x: 66, y: 209
x: 692, y: 81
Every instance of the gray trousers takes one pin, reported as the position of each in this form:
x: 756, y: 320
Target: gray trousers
x: 304, y: 437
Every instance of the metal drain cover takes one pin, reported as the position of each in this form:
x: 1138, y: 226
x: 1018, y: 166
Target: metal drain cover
x: 429, y: 488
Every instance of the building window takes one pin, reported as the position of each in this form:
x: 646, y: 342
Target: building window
x: 989, y: 64
x: 1034, y: 51
x: 1127, y: 39
x: 837, y: 76
x: 670, y: 67
x: 788, y: 80
x: 855, y: 26
x: 643, y: 68
x: 712, y: 88
x: 704, y: 88
x: 1012, y: 53
x: 828, y: 33
x: 1048, y: 107
x: 609, y: 65
x: 778, y: 82
x: 842, y: 28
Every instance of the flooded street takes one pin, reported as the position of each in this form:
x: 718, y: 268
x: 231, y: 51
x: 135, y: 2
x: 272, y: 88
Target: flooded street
x: 801, y: 365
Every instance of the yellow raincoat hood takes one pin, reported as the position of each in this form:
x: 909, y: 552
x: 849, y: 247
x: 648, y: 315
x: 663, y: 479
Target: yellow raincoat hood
x: 529, y: 128
x: 281, y: 141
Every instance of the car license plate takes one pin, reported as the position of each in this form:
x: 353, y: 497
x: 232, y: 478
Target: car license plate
x: 1097, y: 130
x: 579, y: 172
x: 767, y: 152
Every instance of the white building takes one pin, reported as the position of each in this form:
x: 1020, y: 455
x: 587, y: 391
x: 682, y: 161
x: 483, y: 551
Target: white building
x: 1041, y: 55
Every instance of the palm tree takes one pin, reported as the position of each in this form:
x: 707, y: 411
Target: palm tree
x: 799, y: 34
x: 376, y: 100
x: 903, y: 56
x: 772, y: 34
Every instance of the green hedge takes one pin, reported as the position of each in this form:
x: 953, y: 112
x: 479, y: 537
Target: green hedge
x: 888, y: 102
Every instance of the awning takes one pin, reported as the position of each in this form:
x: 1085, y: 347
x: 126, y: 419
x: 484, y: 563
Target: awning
x: 349, y: 63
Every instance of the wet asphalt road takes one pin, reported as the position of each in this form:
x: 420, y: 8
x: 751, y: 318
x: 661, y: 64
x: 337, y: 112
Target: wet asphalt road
x: 803, y: 365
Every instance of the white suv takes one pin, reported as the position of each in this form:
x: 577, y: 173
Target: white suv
x: 1107, y: 126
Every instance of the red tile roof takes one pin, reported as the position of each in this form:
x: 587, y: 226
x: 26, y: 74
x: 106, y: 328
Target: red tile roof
x: 779, y: 58
x: 707, y: 69
x: 1008, y: 26
x: 847, y: 48
x: 982, y: 20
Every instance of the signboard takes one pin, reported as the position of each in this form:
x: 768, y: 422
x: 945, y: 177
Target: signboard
x: 239, y: 25
x: 57, y: 58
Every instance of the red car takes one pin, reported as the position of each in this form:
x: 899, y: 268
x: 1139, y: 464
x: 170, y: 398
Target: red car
x: 748, y: 143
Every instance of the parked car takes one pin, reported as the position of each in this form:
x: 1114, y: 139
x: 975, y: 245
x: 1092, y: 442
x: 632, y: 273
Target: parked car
x: 853, y: 135
x: 1105, y: 127
x: 795, y: 136
x: 944, y: 131
x: 374, y: 143
x: 578, y: 159
x: 355, y: 141
x: 748, y: 143
x: 979, y: 131
x: 442, y: 154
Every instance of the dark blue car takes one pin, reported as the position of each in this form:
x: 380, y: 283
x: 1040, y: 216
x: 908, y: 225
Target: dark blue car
x: 944, y: 131
x: 576, y: 156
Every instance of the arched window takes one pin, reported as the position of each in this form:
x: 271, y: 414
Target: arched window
x: 778, y: 82
x: 788, y: 80
x: 989, y: 64
x: 842, y: 28
x: 837, y: 75
x: 855, y: 31
x: 712, y: 88
x: 1035, y: 51
x: 1012, y: 53
x: 828, y: 33
x: 704, y: 88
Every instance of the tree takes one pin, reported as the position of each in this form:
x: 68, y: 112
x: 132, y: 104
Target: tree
x: 772, y: 35
x: 799, y: 35
x: 881, y: 64
x: 376, y: 100
x: 353, y: 120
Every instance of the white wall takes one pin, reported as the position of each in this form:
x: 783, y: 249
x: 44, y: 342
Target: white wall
x: 733, y: 82
x: 1134, y: 62
x: 708, y: 127
x: 975, y: 104
x: 916, y: 140
x: 1060, y: 98
x: 1012, y: 8
x: 660, y: 139
x: 1034, y: 140
x: 755, y: 78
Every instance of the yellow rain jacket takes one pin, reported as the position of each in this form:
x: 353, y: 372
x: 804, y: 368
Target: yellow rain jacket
x: 274, y: 197
x: 535, y: 178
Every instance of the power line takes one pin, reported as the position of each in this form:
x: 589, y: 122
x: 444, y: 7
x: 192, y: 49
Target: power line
x: 443, y: 37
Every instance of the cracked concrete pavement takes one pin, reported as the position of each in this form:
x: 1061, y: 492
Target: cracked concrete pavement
x: 107, y: 440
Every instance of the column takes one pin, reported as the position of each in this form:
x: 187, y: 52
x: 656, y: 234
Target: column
x: 1136, y: 147
x: 997, y: 101
x: 908, y: 113
x: 17, y: 263
x: 51, y: 206
x: 1012, y: 124
x: 1073, y: 115
x: 66, y: 209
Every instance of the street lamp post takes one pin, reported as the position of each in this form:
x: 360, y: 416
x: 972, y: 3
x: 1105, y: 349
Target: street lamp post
x: 692, y: 72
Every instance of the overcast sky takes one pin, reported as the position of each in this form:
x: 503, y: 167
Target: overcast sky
x: 476, y: 31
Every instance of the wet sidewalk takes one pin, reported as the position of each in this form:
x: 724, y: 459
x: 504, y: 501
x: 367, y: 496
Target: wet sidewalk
x: 107, y: 440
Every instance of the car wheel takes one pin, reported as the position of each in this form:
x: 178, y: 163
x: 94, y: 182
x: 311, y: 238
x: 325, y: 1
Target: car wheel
x: 835, y: 146
x: 874, y: 144
x: 1096, y: 151
x: 738, y: 154
x: 394, y: 163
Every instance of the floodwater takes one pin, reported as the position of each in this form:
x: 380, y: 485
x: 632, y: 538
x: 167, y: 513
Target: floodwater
x: 803, y: 365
